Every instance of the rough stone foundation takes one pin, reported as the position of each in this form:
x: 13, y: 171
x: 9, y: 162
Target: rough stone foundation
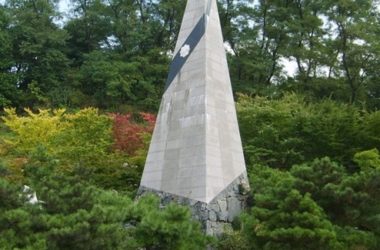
x: 216, y: 216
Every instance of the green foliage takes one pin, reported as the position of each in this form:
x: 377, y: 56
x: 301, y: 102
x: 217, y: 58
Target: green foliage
x: 9, y: 94
x: 117, y: 52
x: 371, y: 130
x: 318, y: 179
x: 234, y: 241
x: 333, y: 46
x: 38, y: 60
x: 127, y: 50
x: 368, y: 159
x: 350, y: 200
x: 289, y: 130
x: 357, y: 239
x: 66, y: 136
x: 266, y: 129
x: 105, y: 54
x: 283, y: 218
x: 35, y: 129
x: 115, y: 55
x: 171, y: 228
x: 86, y: 138
x: 74, y: 215
x: 107, y: 80
x: 82, y: 139
x: 316, y: 205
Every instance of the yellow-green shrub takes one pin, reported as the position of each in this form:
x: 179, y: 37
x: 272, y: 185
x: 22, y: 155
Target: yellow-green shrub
x: 83, y: 135
x: 35, y: 129
x: 369, y: 159
x: 81, y: 140
x: 86, y: 138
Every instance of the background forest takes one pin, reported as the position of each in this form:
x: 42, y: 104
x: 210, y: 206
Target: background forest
x: 79, y: 91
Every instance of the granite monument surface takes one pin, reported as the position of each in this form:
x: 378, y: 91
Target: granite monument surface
x: 195, y: 156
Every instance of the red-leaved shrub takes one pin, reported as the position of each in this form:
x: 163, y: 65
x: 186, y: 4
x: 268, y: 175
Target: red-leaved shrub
x: 128, y: 134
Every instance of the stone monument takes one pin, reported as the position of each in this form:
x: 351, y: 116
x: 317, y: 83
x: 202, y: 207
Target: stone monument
x: 195, y: 156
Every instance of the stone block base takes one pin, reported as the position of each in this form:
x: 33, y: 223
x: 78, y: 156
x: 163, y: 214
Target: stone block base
x: 216, y: 216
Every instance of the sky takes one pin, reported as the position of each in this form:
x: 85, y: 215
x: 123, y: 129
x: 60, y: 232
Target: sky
x: 63, y: 5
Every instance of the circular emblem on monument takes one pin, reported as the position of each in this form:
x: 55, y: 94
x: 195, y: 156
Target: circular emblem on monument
x: 185, y: 50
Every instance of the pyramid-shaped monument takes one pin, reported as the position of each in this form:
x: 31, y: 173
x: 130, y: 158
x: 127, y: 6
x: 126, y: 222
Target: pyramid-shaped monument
x: 195, y: 156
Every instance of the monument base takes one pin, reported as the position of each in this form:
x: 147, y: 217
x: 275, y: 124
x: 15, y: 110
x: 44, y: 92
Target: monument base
x: 217, y: 215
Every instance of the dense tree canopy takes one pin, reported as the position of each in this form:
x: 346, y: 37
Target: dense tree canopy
x: 51, y: 61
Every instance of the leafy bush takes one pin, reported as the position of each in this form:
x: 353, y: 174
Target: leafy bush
x: 67, y: 136
x: 77, y: 140
x: 34, y: 130
x: 368, y: 159
x: 288, y: 131
x: 129, y: 135
x: 87, y: 137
